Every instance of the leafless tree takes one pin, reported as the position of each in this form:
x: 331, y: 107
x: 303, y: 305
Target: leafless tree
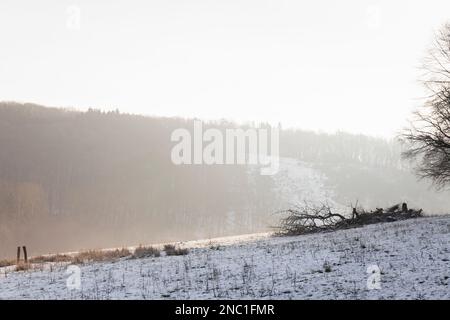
x: 314, y: 218
x: 428, y: 138
x: 309, y: 219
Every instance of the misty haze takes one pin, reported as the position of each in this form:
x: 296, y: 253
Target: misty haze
x: 224, y: 150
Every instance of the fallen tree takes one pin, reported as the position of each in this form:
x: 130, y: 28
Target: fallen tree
x: 321, y: 218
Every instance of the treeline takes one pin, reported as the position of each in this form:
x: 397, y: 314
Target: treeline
x: 71, y: 180
x: 342, y: 147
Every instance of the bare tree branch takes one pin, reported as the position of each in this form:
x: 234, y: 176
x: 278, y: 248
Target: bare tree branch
x: 428, y: 138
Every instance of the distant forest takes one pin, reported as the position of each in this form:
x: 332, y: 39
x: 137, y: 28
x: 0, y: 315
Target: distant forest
x: 73, y: 180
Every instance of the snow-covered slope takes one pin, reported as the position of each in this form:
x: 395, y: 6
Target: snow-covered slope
x: 297, y: 182
x: 413, y: 258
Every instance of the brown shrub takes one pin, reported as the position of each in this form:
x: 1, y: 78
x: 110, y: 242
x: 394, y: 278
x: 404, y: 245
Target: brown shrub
x: 22, y: 266
x: 51, y: 258
x: 145, y: 252
x: 100, y: 255
x: 6, y: 263
x: 171, y: 250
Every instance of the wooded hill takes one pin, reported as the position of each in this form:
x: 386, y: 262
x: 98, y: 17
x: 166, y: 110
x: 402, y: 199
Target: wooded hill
x: 71, y: 180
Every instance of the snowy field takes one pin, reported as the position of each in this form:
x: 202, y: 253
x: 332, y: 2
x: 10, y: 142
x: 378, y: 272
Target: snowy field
x: 411, y: 258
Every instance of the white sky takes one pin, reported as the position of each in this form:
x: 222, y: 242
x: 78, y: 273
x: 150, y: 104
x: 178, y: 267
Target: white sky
x: 325, y: 65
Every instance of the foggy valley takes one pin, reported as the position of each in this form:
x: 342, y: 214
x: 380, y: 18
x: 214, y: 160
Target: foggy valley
x: 74, y: 180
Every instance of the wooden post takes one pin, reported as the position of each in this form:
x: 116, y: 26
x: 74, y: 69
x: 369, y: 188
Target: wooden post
x: 354, y: 213
x: 404, y: 207
x: 25, y: 255
x: 18, y: 255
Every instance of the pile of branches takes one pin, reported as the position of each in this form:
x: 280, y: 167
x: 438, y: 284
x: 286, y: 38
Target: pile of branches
x: 321, y: 218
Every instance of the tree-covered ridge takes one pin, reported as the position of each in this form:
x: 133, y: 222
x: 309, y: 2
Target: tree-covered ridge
x: 100, y: 179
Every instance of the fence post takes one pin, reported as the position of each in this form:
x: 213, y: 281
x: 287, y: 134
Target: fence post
x: 25, y: 255
x: 18, y: 255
